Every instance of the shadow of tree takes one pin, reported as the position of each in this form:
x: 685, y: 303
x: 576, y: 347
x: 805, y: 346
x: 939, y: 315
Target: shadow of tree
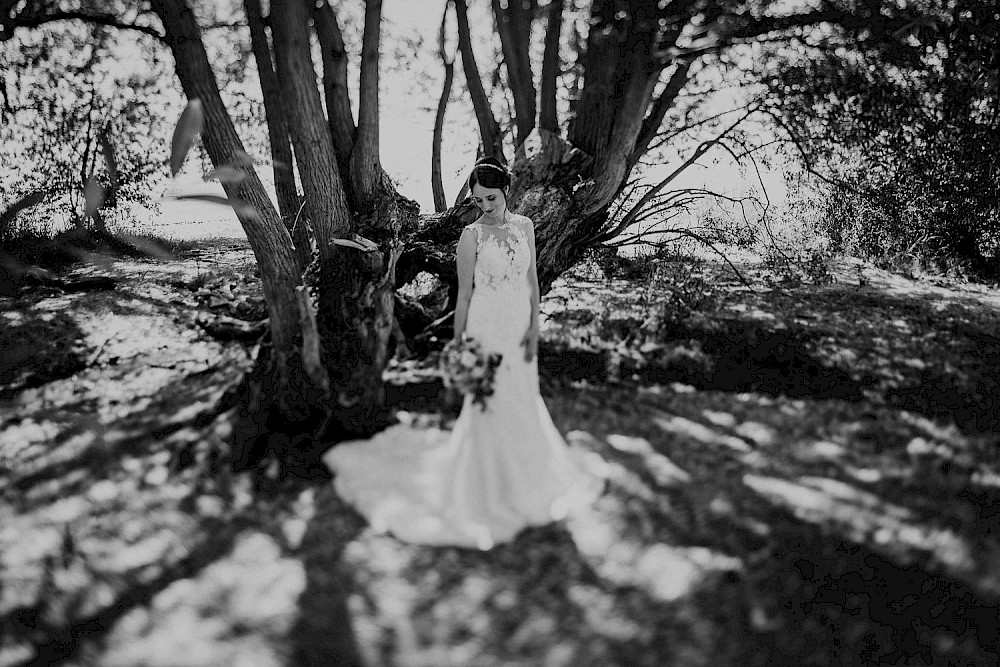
x: 36, y: 348
x: 58, y: 632
x: 734, y: 356
x: 323, y: 634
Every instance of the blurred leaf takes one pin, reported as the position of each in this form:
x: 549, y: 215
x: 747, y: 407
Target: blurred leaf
x: 349, y: 243
x: 241, y: 159
x: 188, y: 127
x: 242, y: 208
x: 93, y: 194
x: 359, y: 242
x: 226, y: 174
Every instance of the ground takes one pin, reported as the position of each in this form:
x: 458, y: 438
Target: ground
x: 800, y: 474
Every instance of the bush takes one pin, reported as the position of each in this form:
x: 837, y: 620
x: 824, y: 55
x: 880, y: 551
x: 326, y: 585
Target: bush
x: 678, y: 290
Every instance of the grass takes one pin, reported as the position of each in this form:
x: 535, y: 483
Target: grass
x: 799, y: 476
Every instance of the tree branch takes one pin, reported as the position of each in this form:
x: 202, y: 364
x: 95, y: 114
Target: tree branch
x: 108, y: 20
x: 730, y: 28
x: 702, y: 148
x: 489, y: 129
x: 277, y: 125
x: 662, y: 104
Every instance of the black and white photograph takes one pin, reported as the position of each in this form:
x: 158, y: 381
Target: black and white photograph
x: 499, y: 333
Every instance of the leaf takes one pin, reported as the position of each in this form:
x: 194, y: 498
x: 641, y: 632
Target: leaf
x: 93, y: 194
x: 212, y: 199
x: 241, y: 159
x: 349, y: 243
x: 240, y: 206
x: 226, y: 174
x: 189, y: 126
x: 358, y: 242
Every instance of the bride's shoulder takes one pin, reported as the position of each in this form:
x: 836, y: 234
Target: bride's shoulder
x: 523, y: 221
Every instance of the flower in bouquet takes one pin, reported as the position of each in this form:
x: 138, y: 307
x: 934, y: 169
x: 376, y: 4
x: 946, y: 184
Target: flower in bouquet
x: 469, y: 369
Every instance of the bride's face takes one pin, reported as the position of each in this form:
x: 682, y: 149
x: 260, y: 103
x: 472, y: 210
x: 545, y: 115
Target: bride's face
x: 491, y: 201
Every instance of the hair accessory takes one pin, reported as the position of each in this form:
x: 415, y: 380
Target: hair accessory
x: 491, y: 166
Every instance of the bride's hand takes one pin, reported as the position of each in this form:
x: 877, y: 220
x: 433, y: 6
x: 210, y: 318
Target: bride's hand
x: 530, y: 343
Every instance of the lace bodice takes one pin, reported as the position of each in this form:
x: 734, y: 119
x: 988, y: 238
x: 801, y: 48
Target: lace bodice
x: 502, y: 256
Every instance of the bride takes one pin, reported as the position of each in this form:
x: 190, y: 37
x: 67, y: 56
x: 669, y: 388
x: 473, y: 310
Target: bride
x: 501, y: 468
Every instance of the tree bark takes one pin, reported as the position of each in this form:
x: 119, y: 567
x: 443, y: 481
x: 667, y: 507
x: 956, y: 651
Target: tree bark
x: 548, y: 118
x: 277, y: 125
x: 366, y: 169
x: 654, y: 119
x: 489, y: 129
x: 514, y: 26
x: 335, y: 89
x: 325, y: 208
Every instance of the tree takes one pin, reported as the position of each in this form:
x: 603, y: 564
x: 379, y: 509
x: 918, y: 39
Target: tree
x: 328, y: 273
x: 580, y: 131
x: 72, y: 124
x: 326, y: 267
x: 330, y: 319
x: 907, y: 138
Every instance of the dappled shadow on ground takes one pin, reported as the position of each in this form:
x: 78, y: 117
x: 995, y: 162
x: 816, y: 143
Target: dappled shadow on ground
x: 736, y: 530
x: 324, y: 634
x: 36, y: 347
x: 934, y: 353
x: 783, y: 490
x: 728, y: 356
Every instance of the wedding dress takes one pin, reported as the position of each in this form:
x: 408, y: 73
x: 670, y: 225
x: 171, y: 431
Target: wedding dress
x: 500, y: 469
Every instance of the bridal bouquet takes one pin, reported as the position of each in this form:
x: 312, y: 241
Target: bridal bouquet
x: 466, y: 367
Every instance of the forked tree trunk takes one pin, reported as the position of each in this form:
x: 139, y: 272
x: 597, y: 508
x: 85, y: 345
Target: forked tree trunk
x: 284, y: 399
x: 351, y: 278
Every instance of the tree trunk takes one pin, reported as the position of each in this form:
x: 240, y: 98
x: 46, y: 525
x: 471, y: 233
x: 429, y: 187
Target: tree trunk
x: 269, y: 239
x: 351, y: 279
x: 514, y: 25
x: 367, y: 177
x: 277, y: 126
x: 325, y: 208
x: 548, y: 119
x: 489, y: 130
x: 335, y: 88
x: 437, y: 186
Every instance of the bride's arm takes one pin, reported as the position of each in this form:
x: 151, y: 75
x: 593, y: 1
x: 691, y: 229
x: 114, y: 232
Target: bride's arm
x: 466, y: 259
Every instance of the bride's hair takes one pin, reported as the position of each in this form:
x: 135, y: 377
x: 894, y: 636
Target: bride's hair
x: 489, y: 172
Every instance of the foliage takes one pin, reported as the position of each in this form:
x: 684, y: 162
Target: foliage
x: 909, y: 137
x: 667, y: 289
x: 69, y: 86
